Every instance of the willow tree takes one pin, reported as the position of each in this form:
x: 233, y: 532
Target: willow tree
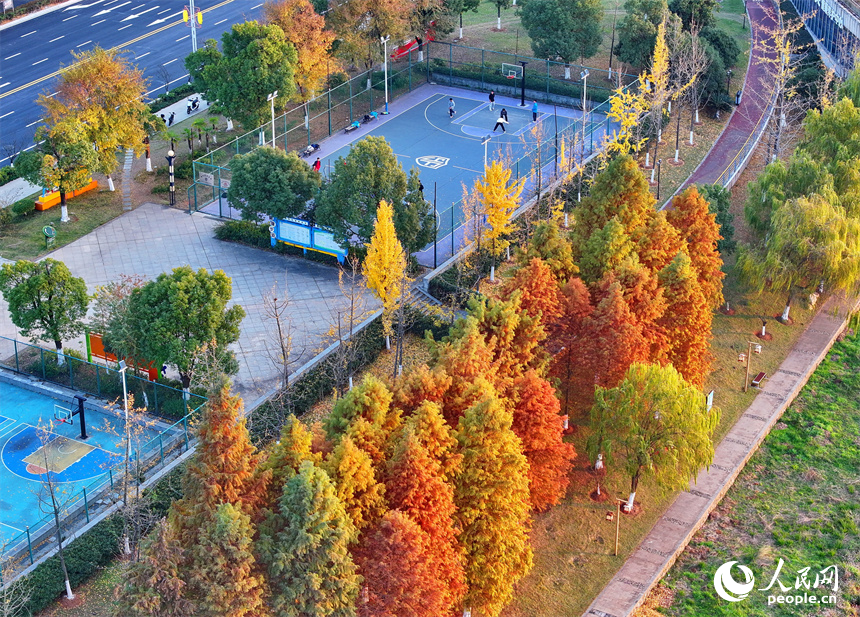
x: 653, y: 423
x: 812, y: 242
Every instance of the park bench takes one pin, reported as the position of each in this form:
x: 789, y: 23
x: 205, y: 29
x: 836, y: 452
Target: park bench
x: 352, y: 127
x: 756, y: 382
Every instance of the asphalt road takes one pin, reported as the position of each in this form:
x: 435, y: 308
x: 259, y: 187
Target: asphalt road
x: 157, y: 40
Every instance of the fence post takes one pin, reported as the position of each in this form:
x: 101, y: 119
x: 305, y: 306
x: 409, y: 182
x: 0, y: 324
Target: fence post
x: 452, y: 230
x: 548, y: 76
x: 450, y: 63
x: 185, y: 431
x: 71, y: 373
x: 17, y: 368
x: 110, y: 477
x: 98, y: 381
x: 161, y: 448
x: 29, y: 545
x: 349, y: 81
x: 86, y: 505
x: 329, y: 113
x: 42, y: 356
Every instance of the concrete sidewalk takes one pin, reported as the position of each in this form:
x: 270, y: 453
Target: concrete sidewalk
x: 673, y: 531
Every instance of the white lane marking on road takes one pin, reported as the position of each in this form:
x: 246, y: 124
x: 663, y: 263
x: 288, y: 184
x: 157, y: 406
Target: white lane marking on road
x: 6, y: 84
x: 72, y: 17
x: 183, y: 38
x: 40, y: 61
x: 82, y: 44
x: 171, y: 61
x: 139, y: 6
x: 82, y: 6
x: 141, y: 13
x: 36, y: 122
x: 12, y: 56
x: 101, y: 21
x: 111, y: 8
x: 217, y: 23
x: 57, y: 39
x: 143, y: 55
x: 28, y: 34
x: 164, y: 11
x: 124, y: 27
x: 33, y: 146
x: 9, y: 114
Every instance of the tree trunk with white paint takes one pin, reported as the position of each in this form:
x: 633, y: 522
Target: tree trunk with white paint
x: 229, y: 124
x: 64, y: 210
x: 567, y: 71
x: 388, y: 342
x: 110, y: 181
x: 148, y: 165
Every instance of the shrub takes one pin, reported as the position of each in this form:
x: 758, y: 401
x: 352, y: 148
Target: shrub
x: 184, y: 170
x: 7, y: 174
x: 23, y: 207
x: 399, y: 80
x: 158, y: 189
x: 336, y: 79
x: 252, y: 234
x: 724, y: 44
x: 5, y: 217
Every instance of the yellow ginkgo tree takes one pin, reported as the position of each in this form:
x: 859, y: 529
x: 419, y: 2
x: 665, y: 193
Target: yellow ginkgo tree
x: 385, y: 266
x: 499, y: 198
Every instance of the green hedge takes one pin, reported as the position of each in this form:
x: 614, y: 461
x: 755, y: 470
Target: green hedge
x: 252, y: 234
x: 168, y: 98
x: 26, y: 9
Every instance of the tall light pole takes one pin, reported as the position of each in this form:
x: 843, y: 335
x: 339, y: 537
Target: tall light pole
x: 484, y: 141
x: 384, y: 41
x: 271, y: 98
x: 122, y: 367
x: 194, y: 18
x: 171, y: 157
x: 584, y: 77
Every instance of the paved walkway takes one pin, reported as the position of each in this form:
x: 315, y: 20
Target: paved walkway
x: 757, y: 91
x: 153, y: 239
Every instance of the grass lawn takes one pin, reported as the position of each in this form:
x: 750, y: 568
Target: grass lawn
x: 797, y: 500
x: 23, y: 238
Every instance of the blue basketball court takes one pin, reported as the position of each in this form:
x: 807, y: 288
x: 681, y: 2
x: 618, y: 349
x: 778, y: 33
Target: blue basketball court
x: 449, y: 152
x: 35, y: 445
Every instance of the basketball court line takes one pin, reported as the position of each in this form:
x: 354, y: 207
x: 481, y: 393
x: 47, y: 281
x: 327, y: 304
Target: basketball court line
x: 2, y: 524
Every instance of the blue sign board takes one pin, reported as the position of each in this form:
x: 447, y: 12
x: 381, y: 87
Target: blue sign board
x: 297, y: 232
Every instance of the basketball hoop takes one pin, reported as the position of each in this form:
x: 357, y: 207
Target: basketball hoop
x: 63, y: 415
x: 511, y: 75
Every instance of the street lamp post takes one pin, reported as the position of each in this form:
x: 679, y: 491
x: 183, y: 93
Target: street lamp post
x: 171, y: 157
x: 271, y: 98
x: 729, y: 82
x: 659, y: 165
x: 751, y: 347
x: 384, y: 41
x: 584, y: 77
x: 484, y: 141
x: 122, y: 368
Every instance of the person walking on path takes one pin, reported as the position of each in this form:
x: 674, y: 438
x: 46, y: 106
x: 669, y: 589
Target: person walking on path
x: 492, y: 100
x: 170, y: 119
x: 504, y: 114
x: 501, y: 123
x: 451, y: 111
x: 317, y: 164
x: 534, y: 111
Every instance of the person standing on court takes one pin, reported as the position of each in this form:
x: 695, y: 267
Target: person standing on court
x: 534, y: 111
x: 170, y: 118
x: 501, y: 122
x: 492, y: 100
x: 451, y: 111
x: 317, y: 165
x: 504, y: 114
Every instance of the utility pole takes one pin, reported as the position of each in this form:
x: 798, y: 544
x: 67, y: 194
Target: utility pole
x: 194, y: 18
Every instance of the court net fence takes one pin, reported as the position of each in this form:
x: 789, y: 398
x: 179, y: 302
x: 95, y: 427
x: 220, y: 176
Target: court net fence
x: 155, y: 437
x: 441, y: 63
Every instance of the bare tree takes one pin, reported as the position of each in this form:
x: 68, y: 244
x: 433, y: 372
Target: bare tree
x: 163, y: 76
x: 52, y: 496
x: 781, y: 56
x: 351, y: 313
x: 690, y: 61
